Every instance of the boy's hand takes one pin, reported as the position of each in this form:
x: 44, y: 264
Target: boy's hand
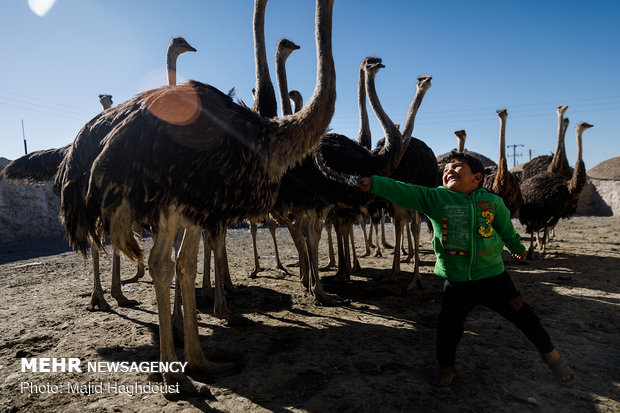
x: 364, y: 184
x: 521, y: 256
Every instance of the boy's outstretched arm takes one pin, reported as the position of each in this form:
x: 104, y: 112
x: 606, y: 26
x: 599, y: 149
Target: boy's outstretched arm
x: 364, y: 184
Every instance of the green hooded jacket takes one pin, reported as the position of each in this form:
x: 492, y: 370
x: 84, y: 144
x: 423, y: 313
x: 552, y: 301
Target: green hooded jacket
x: 470, y: 231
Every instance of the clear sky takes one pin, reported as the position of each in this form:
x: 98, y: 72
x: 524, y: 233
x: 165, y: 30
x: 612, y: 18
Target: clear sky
x: 525, y: 56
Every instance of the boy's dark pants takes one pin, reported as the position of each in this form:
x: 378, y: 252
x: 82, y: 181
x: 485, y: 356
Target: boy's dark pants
x: 497, y: 293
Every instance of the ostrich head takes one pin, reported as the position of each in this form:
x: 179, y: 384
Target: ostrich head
x: 561, y: 110
x: 285, y: 47
x: 502, y: 114
x: 106, y: 101
x: 178, y: 46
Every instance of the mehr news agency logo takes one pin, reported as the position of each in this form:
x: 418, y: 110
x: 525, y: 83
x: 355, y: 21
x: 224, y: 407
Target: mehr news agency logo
x: 76, y: 365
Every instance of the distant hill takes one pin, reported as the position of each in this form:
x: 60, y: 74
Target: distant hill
x: 609, y: 169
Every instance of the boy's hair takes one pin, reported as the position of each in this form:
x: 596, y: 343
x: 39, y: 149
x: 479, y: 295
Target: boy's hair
x: 474, y: 163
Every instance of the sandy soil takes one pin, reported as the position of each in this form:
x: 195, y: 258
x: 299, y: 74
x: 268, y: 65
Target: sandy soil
x: 372, y: 355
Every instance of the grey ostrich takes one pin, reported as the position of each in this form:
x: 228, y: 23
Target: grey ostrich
x: 549, y: 196
x: 502, y: 182
x: 191, y: 157
x: 558, y: 162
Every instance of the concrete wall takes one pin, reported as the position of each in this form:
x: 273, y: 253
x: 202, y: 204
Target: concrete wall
x: 600, y: 197
x: 28, y: 211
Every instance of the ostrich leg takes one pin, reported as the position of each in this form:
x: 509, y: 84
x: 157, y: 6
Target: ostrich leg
x: 186, y: 272
x: 367, y: 240
x: 115, y: 289
x: 162, y: 272
x: 383, y: 239
x: 356, y: 263
x: 410, y: 249
x: 272, y: 231
x: 311, y: 227
x: 140, y: 269
x: 257, y: 267
x: 97, y: 302
x: 344, y: 257
x: 416, y: 281
x: 207, y: 289
x: 332, y: 258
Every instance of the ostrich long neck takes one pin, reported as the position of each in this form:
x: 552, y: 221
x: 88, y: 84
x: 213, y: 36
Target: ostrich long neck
x: 559, y: 162
x: 282, y: 82
x: 578, y: 180
x: 460, y: 137
x: 421, y: 88
x: 364, y: 135
x: 171, y: 66
x: 502, y: 165
x: 392, y: 151
x: 265, y: 98
x: 299, y: 133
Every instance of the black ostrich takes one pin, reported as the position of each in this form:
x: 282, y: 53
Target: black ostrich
x: 310, y: 190
x: 188, y: 155
x: 346, y: 156
x: 549, y: 196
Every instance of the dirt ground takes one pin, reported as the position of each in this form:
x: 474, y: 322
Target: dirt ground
x: 371, y: 355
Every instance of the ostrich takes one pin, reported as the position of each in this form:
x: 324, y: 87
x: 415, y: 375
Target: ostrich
x: 283, y: 50
x: 364, y: 140
x: 298, y: 100
x: 558, y: 163
x: 502, y: 182
x: 549, y: 196
x: 188, y: 155
x: 461, y: 136
x: 309, y: 192
x: 418, y: 166
x: 384, y: 160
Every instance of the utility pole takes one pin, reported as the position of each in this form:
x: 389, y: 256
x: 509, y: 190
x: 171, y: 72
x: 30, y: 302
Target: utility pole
x: 530, y: 154
x: 514, y: 154
x: 24, y: 136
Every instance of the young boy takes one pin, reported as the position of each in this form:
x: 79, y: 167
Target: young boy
x: 471, y: 226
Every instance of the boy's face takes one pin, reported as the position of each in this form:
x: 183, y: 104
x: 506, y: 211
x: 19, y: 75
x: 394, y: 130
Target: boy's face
x: 457, y: 176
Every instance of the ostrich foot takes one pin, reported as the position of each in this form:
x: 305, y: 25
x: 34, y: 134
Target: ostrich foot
x: 232, y: 320
x: 203, y: 365
x: 406, y: 260
x: 388, y: 246
x: 135, y: 278
x: 327, y: 267
x: 254, y: 273
x: 283, y: 271
x: 126, y: 302
x: 98, y: 303
x: 356, y: 267
x: 366, y: 254
x: 378, y: 254
x: 415, y: 284
x: 293, y: 265
x: 185, y: 385
x: 332, y: 300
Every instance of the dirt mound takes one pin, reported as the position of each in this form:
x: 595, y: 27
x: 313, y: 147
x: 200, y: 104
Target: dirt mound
x: 609, y: 169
